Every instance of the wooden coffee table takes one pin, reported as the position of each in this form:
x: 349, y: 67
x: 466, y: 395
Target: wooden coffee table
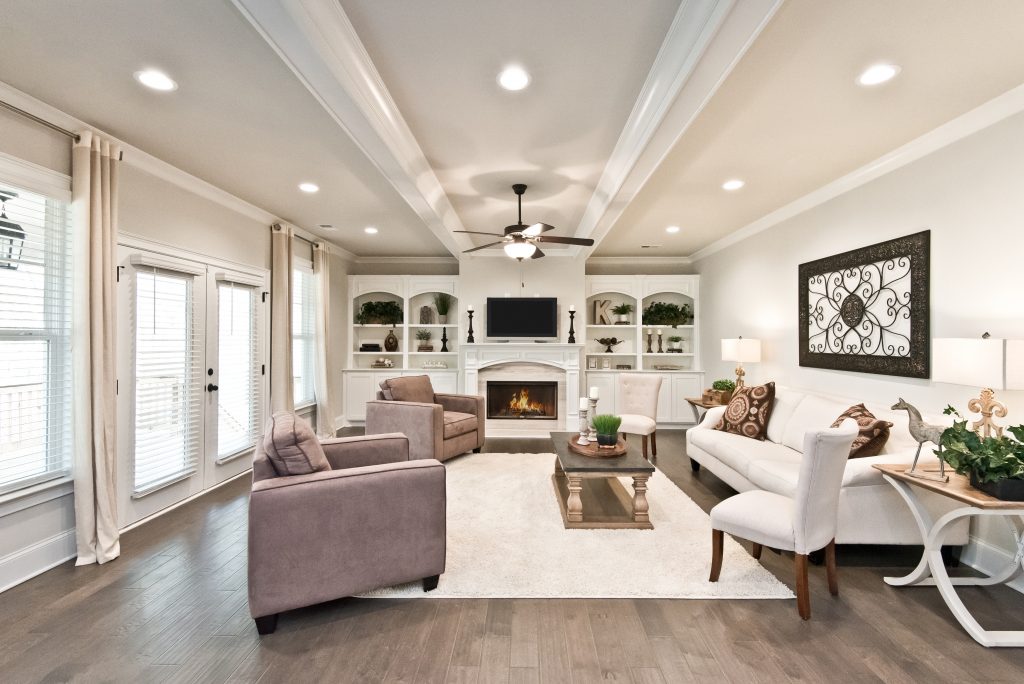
x: 590, y: 494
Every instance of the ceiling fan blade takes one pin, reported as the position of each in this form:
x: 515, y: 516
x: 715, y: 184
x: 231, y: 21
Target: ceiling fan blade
x: 489, y: 244
x: 585, y: 242
x: 537, y: 254
x: 538, y: 228
x: 477, y: 232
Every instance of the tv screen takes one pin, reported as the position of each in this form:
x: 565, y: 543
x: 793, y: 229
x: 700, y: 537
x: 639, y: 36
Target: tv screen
x: 534, y: 317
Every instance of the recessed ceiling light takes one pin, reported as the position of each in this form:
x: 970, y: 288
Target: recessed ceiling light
x: 514, y: 78
x: 672, y: 229
x: 878, y: 74
x: 370, y: 230
x: 733, y: 184
x: 309, y: 187
x: 155, y: 79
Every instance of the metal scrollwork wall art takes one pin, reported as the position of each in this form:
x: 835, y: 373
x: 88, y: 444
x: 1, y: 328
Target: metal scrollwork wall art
x: 867, y: 310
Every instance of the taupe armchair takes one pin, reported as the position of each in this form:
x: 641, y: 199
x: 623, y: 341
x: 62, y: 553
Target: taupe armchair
x: 375, y: 519
x: 439, y: 426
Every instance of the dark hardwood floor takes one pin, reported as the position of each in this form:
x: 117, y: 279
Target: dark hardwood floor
x: 173, y: 608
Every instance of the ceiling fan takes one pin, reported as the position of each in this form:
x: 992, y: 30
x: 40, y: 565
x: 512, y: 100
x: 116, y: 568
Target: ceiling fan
x: 520, y: 240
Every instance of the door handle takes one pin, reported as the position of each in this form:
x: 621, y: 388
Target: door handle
x: 212, y: 388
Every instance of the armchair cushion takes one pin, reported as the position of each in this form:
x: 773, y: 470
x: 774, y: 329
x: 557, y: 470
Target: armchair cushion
x: 411, y: 388
x: 456, y: 423
x: 292, y: 446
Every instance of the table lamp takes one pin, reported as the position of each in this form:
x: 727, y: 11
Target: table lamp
x: 993, y: 364
x: 741, y: 351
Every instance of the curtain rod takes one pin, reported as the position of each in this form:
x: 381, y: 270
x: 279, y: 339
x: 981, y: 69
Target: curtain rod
x: 40, y: 121
x: 278, y: 226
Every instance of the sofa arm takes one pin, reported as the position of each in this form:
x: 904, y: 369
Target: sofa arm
x: 318, y: 537
x: 353, y: 452
x: 462, y: 403
x: 422, y: 423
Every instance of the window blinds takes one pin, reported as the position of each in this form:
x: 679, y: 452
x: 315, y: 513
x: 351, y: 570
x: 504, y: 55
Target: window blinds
x: 168, y: 379
x: 35, y: 339
x: 238, y: 369
x: 303, y: 334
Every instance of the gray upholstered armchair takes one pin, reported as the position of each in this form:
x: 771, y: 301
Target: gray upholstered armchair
x: 367, y: 517
x: 438, y: 426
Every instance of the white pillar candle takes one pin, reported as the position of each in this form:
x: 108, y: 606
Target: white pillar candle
x: 572, y: 307
x: 583, y: 403
x: 470, y: 307
x: 659, y: 331
x: 593, y: 393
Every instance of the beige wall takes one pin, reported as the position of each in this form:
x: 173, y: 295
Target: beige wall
x: 338, y: 322
x: 30, y: 142
x: 632, y: 266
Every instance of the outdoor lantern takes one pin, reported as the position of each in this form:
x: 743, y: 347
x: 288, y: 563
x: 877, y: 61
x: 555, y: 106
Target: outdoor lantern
x: 12, y: 236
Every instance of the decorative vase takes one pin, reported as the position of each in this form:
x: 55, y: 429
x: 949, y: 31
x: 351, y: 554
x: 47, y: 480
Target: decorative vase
x: 676, y: 345
x: 426, y: 315
x: 391, y: 342
x: 1004, y: 490
x: 607, y: 440
x: 442, y: 319
x: 621, y: 319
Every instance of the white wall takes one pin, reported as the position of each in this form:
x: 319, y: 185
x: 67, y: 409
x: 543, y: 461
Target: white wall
x: 968, y: 194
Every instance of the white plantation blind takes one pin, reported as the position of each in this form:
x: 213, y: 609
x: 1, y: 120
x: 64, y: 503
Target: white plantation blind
x: 239, y: 370
x: 168, y: 379
x: 303, y: 333
x: 35, y: 339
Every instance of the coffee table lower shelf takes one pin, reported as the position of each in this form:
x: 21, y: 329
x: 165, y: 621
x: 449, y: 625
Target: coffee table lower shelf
x: 601, y: 502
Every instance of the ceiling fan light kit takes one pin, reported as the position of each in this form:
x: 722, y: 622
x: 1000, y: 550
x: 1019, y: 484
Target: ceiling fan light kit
x: 520, y: 240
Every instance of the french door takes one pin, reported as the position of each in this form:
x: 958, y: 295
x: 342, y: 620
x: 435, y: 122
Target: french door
x: 191, y: 377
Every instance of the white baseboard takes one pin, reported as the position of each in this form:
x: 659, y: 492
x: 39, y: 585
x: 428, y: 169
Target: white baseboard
x: 989, y: 559
x: 26, y: 563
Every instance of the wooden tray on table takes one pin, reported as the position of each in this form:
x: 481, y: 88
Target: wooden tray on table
x: 594, y: 451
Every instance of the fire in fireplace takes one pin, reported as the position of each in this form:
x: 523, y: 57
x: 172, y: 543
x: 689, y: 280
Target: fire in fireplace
x: 522, y: 400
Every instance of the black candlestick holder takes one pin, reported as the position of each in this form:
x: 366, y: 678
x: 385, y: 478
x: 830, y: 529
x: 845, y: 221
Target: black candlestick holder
x: 444, y: 339
x: 650, y: 337
x: 469, y: 338
x: 572, y: 332
x: 660, y: 350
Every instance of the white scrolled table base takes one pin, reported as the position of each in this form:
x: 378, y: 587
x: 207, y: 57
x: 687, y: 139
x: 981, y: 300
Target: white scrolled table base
x: 931, y: 571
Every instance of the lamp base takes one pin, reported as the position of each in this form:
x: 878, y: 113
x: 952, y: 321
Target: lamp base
x: 739, y: 375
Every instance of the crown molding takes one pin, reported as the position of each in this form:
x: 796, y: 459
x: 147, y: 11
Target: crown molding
x: 316, y: 40
x: 706, y: 40
x: 992, y: 112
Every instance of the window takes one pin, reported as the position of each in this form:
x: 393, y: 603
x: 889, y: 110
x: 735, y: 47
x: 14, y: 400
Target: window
x: 35, y: 339
x: 303, y: 334
x: 238, y: 369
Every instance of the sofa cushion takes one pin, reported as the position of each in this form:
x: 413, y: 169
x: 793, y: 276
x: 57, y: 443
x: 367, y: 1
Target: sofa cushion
x: 872, y: 435
x: 456, y: 423
x: 786, y: 401
x: 411, y: 388
x: 737, y: 451
x: 813, y: 413
x: 748, y: 411
x: 292, y: 446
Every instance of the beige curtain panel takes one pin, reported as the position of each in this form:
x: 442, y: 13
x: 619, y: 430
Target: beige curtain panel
x: 322, y: 273
x: 282, y: 396
x: 94, y: 165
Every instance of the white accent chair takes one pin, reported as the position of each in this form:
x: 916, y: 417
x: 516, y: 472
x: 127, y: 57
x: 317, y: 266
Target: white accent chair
x: 637, y: 403
x: 802, y: 524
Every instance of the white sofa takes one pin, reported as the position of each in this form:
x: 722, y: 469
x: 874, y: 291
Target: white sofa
x: 870, y: 510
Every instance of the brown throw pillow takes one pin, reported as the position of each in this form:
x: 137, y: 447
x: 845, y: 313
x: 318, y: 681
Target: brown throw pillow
x: 748, y: 411
x: 411, y: 388
x: 292, y: 446
x: 873, y: 434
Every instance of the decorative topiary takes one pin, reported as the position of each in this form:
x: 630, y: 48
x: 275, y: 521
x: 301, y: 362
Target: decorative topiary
x: 386, y: 313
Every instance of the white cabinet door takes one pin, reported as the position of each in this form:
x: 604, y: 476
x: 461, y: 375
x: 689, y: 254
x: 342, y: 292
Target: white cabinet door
x: 359, y: 388
x: 684, y: 386
x: 444, y: 383
x: 665, y: 404
x: 605, y: 384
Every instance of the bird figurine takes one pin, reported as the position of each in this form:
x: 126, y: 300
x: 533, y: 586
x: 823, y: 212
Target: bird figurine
x: 609, y: 342
x: 922, y: 432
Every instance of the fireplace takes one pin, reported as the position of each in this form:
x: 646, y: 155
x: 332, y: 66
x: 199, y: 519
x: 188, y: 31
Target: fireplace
x: 514, y: 400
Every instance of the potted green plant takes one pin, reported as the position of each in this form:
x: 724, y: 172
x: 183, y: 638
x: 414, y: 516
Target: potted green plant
x: 721, y: 390
x: 667, y: 313
x: 676, y: 342
x: 622, y: 312
x: 607, y: 428
x: 995, y: 465
x: 382, y: 313
x: 443, y: 304
x: 423, y: 337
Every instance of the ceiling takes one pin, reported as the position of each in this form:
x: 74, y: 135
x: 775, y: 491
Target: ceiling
x: 250, y: 118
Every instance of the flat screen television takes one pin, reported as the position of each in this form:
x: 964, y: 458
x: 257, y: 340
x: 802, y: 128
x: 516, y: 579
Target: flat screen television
x: 532, y: 317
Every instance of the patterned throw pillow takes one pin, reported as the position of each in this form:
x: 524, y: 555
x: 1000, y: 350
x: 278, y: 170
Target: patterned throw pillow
x: 873, y: 434
x: 748, y: 411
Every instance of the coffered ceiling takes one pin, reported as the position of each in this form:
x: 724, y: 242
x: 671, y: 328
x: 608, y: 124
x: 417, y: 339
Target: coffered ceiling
x: 635, y: 115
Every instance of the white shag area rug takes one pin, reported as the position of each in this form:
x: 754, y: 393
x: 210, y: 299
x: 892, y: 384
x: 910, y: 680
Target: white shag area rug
x: 506, y: 540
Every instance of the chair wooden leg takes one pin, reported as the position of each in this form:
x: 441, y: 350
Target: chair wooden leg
x: 643, y: 444
x: 716, y: 554
x: 830, y: 568
x: 803, y: 594
x: 654, y: 443
x: 266, y: 624
x: 755, y: 551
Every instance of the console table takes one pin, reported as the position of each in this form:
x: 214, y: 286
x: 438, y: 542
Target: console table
x: 931, y: 571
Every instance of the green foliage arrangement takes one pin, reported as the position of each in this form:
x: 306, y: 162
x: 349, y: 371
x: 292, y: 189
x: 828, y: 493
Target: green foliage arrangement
x: 443, y: 303
x: 723, y: 385
x: 990, y: 459
x: 607, y: 424
x: 423, y: 335
x: 675, y: 338
x: 622, y: 309
x: 667, y: 313
x: 388, y: 313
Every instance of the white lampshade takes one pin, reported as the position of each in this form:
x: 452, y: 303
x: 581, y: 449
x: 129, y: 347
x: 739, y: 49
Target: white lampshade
x: 741, y: 350
x: 520, y: 250
x: 976, y: 362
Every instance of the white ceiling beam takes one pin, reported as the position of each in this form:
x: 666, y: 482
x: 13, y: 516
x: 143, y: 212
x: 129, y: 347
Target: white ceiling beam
x: 319, y: 44
x: 706, y: 40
